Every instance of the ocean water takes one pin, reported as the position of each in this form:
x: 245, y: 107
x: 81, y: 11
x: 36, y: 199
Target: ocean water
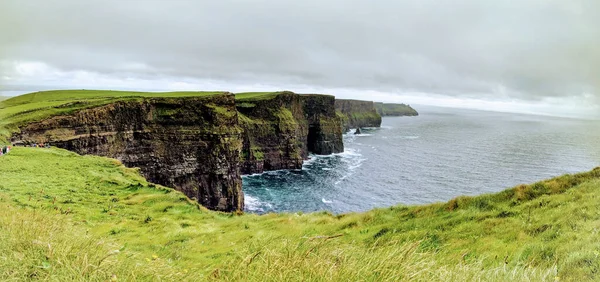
x: 441, y: 154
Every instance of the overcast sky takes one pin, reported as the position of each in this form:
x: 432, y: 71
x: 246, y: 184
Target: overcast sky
x: 528, y: 55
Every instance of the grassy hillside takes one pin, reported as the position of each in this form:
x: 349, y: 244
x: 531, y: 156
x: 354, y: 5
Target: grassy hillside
x: 389, y: 109
x: 248, y: 96
x: 36, y: 106
x: 67, y: 217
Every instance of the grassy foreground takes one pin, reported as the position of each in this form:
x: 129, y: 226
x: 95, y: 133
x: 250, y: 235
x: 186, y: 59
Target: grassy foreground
x: 67, y: 217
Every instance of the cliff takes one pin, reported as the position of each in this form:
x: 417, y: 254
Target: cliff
x: 388, y: 109
x: 280, y: 129
x: 189, y: 143
x: 357, y: 113
x: 196, y: 142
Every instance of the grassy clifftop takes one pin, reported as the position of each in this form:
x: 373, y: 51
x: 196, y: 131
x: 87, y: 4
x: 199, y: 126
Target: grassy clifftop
x: 389, y: 109
x: 83, y: 218
x: 23, y: 109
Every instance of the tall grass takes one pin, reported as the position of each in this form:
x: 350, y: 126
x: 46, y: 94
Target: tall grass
x: 324, y: 260
x: 36, y: 245
x: 63, y: 216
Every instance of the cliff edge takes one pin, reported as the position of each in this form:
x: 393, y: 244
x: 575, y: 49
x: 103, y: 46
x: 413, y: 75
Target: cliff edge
x: 189, y: 143
x: 197, y: 142
x: 389, y: 109
x: 282, y: 128
x: 357, y: 113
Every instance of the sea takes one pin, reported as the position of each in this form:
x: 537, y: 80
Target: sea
x: 440, y: 154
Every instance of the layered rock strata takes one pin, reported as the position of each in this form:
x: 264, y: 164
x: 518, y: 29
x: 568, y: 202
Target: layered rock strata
x: 389, y: 109
x: 199, y: 145
x: 191, y: 144
x: 357, y: 113
x: 280, y: 132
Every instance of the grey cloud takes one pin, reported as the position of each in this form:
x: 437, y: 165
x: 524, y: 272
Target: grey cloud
x: 466, y: 48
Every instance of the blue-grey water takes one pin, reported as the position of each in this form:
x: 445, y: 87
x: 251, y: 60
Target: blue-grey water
x: 441, y: 154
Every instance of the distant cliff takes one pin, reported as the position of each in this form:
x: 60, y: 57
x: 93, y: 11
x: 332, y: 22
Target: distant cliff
x: 357, y: 113
x: 388, y: 109
x: 280, y: 130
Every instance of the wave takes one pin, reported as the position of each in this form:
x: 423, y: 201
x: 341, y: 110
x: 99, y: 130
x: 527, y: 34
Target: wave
x: 255, y: 205
x: 326, y: 201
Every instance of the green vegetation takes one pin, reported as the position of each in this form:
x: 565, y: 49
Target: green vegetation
x: 84, y: 218
x: 257, y: 153
x: 388, y: 109
x: 358, y: 119
x: 20, y: 110
x: 255, y: 96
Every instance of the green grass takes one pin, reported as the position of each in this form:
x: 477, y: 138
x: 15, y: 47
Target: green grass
x: 20, y: 110
x: 64, y: 217
x: 255, y: 96
x: 389, y: 109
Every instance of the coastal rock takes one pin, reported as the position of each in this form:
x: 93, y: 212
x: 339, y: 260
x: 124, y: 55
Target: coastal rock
x: 389, y: 109
x: 199, y: 145
x: 357, y: 113
x: 191, y: 144
x: 279, y: 132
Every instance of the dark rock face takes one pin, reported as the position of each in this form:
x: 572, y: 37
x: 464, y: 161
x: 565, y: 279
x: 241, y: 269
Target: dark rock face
x: 199, y: 145
x: 281, y: 131
x: 357, y: 113
x: 324, y: 126
x: 388, y: 109
x: 191, y: 144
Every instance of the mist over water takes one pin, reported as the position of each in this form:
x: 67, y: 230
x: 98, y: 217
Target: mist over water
x: 441, y: 154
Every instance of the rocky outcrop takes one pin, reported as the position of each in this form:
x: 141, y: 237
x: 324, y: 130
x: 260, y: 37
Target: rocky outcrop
x: 199, y: 145
x: 357, y: 113
x: 191, y: 144
x: 280, y: 131
x: 388, y: 109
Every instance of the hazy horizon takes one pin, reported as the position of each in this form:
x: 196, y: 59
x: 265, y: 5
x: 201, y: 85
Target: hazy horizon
x: 529, y: 57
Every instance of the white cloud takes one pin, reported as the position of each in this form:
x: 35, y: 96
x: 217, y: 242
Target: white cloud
x: 538, y: 55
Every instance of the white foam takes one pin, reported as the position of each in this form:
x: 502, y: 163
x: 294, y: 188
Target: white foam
x: 356, y: 165
x: 326, y: 201
x: 252, y: 204
x: 311, y: 160
x: 349, y: 152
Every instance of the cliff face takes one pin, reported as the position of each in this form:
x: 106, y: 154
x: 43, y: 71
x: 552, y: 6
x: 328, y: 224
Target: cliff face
x: 357, y: 113
x: 387, y: 109
x: 199, y: 145
x: 191, y: 144
x: 278, y: 133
